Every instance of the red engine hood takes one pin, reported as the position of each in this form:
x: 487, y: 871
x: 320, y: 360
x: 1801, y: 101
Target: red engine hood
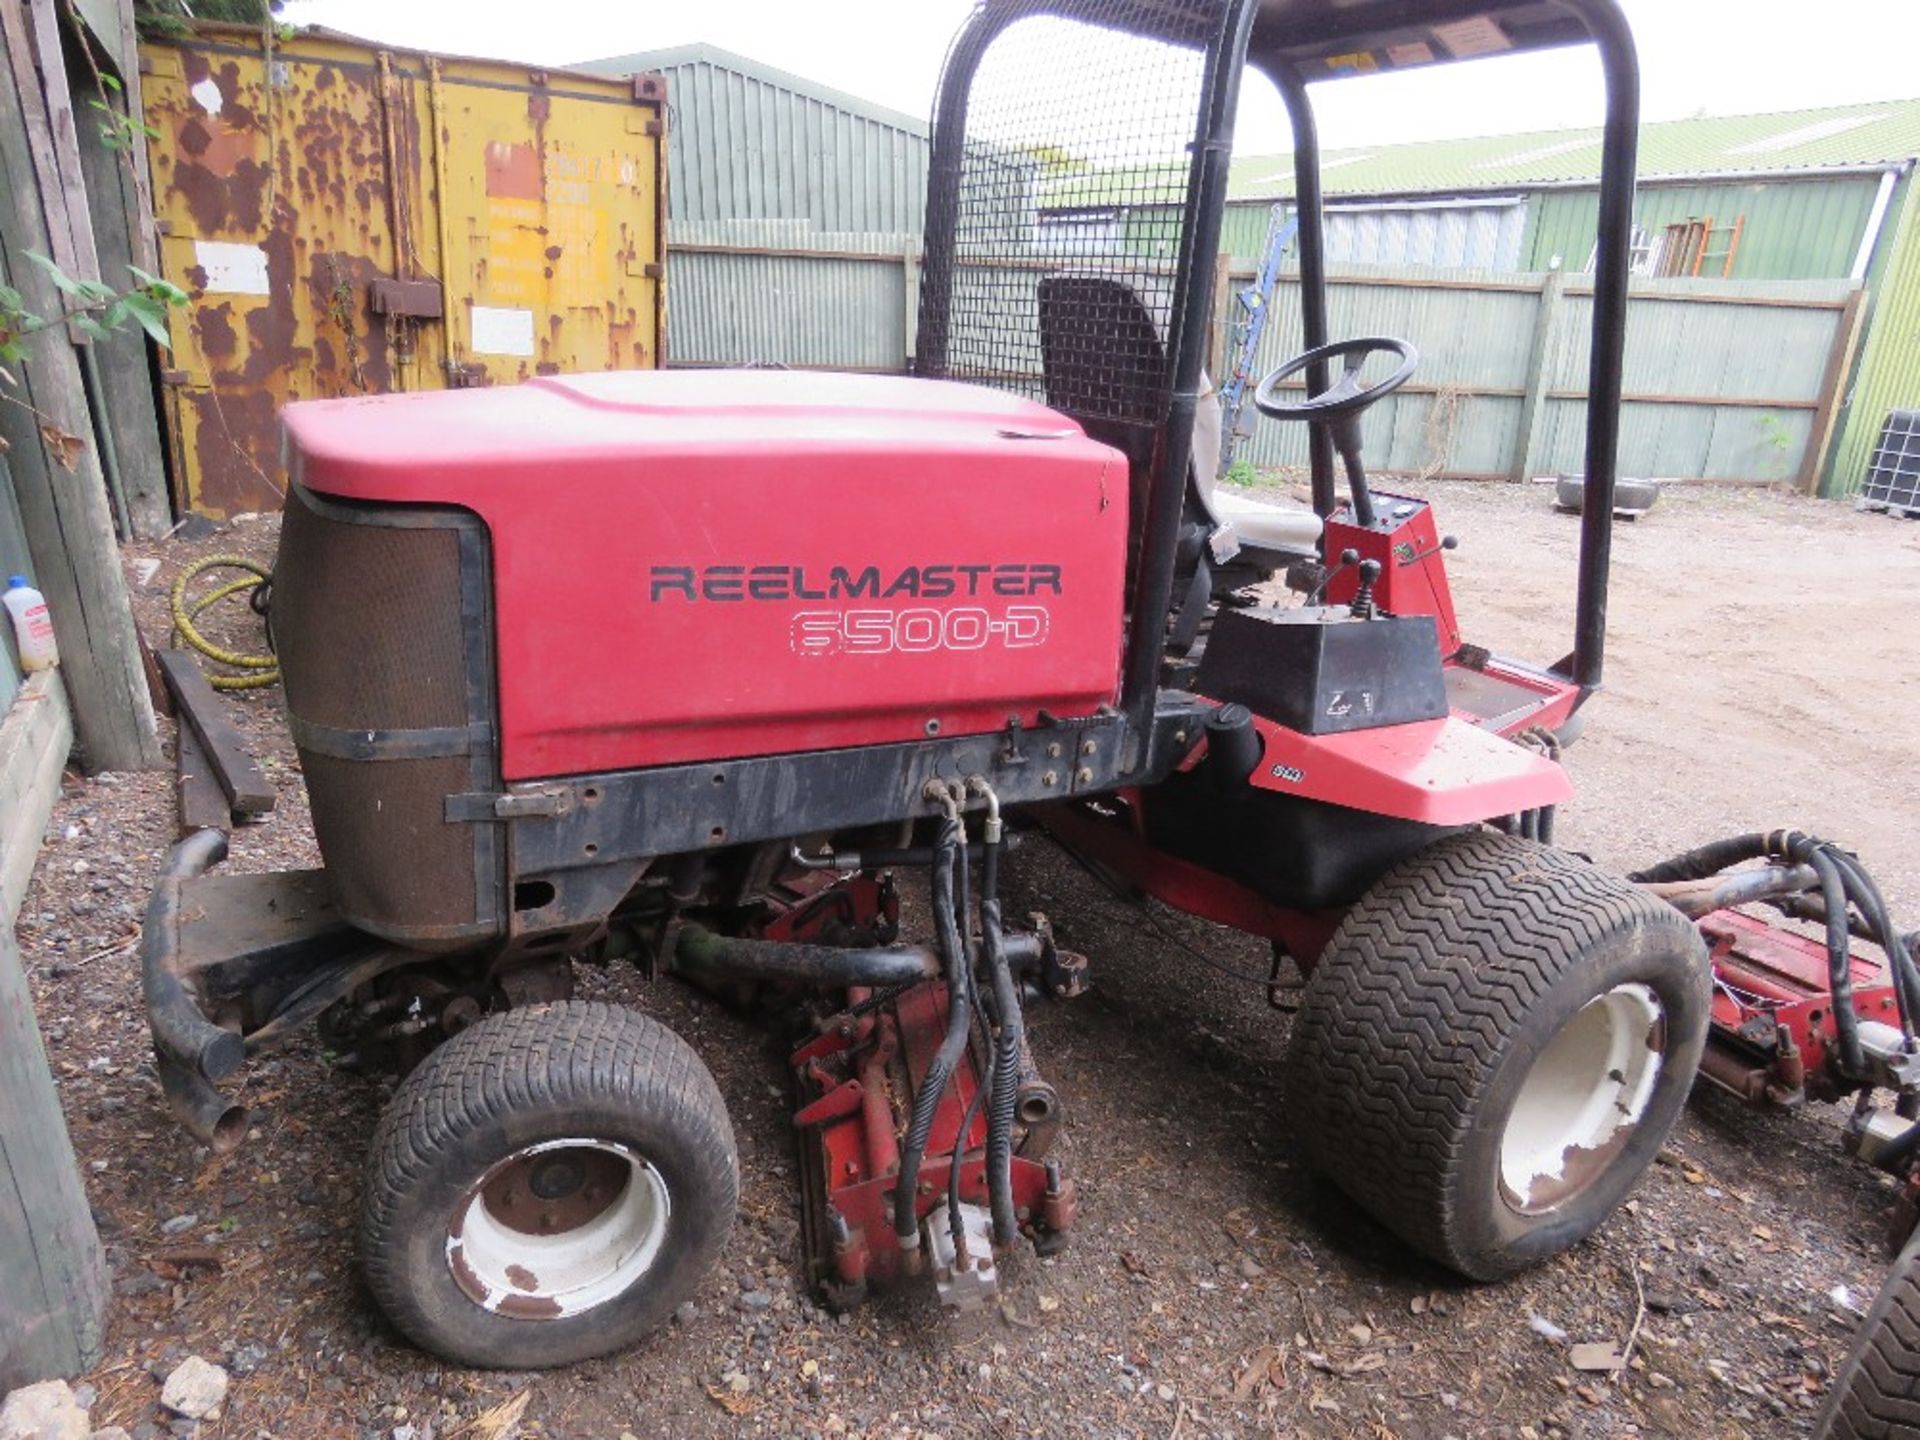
x: 700, y: 565
x: 477, y: 447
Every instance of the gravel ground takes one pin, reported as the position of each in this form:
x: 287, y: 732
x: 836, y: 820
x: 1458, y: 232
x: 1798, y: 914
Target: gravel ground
x: 1758, y: 676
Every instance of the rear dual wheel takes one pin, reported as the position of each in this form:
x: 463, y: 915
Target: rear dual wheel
x: 547, y: 1186
x: 1494, y: 1046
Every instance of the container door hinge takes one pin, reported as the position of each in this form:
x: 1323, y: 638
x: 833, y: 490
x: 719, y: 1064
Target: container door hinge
x: 519, y: 805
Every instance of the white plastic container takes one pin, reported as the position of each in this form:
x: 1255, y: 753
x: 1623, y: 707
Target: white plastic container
x: 32, y: 625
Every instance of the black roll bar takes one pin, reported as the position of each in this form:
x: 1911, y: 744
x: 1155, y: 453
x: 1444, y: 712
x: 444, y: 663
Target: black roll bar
x: 1606, y: 27
x: 1619, y: 155
x: 1193, y: 304
x: 1310, y: 239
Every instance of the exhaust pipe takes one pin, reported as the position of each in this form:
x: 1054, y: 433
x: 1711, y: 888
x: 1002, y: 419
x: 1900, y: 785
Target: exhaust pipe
x: 182, y: 1035
x: 206, y: 1114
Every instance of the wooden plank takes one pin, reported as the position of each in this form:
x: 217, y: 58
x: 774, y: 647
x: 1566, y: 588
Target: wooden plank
x: 36, y: 735
x: 1751, y: 402
x: 788, y: 252
x: 1759, y: 302
x: 203, y: 804
x: 52, y: 1269
x: 1846, y: 341
x: 63, y: 505
x: 1219, y: 324
x: 71, y: 201
x: 198, y: 707
x: 126, y: 409
x: 1526, y: 441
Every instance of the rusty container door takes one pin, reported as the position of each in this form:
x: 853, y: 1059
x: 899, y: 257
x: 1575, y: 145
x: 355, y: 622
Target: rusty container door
x: 299, y: 191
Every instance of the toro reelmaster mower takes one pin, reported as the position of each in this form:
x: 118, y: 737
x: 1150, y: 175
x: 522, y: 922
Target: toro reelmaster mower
x: 696, y: 668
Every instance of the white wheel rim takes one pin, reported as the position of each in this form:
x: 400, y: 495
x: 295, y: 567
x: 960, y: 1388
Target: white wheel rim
x: 1583, y: 1098
x: 558, y: 1228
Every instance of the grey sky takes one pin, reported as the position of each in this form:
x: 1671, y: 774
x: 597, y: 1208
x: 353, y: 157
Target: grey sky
x: 1714, y: 56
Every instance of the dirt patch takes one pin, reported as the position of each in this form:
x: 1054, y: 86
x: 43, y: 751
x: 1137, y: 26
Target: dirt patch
x: 1760, y: 674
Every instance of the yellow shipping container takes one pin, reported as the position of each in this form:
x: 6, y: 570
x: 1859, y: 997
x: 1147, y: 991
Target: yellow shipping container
x: 351, y: 220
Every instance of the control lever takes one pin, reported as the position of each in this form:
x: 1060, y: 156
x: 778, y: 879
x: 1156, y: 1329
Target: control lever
x: 1348, y: 559
x: 1447, y: 542
x: 1362, y: 606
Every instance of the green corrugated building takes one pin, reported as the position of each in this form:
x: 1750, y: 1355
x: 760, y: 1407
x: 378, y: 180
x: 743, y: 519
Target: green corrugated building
x: 1810, y: 192
x: 1792, y: 195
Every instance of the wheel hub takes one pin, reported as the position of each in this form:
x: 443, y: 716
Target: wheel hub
x: 1582, y: 1099
x: 558, y: 1228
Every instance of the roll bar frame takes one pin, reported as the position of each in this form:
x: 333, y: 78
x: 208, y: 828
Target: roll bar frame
x: 1605, y: 27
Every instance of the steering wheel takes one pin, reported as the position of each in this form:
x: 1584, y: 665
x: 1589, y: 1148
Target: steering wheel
x: 1346, y: 396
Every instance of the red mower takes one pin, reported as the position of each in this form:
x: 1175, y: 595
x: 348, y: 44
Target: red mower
x: 696, y: 668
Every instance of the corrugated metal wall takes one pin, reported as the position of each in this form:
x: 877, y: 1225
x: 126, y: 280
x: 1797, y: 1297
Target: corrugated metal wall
x: 742, y: 148
x: 793, y: 229
x: 1477, y: 237
x: 1888, y: 377
x: 1490, y: 236
x: 1716, y: 389
x: 1795, y: 229
x: 746, y: 292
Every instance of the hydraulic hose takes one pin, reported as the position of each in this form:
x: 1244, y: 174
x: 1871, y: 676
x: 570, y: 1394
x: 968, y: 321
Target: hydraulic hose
x: 827, y: 967
x: 983, y: 1089
x: 1011, y: 1039
x: 1843, y: 882
x: 1712, y: 858
x: 1006, y: 1079
x: 1846, y: 1020
x: 950, y: 847
x: 260, y: 670
x: 1900, y: 960
x: 956, y: 1227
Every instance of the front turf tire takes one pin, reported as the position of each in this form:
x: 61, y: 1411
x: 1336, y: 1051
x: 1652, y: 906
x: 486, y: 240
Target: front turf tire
x: 1494, y: 1046
x: 546, y: 1187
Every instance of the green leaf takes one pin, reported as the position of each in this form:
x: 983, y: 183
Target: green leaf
x: 159, y: 289
x: 92, y: 328
x: 68, y: 285
x: 110, y: 82
x: 152, y: 316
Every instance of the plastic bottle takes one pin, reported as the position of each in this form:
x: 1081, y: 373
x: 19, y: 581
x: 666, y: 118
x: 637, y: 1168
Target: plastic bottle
x: 32, y: 626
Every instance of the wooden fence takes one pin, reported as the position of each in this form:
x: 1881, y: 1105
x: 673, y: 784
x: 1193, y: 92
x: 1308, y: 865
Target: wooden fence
x: 1725, y: 380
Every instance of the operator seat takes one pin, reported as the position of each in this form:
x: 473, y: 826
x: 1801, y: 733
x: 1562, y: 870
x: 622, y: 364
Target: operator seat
x: 1103, y: 360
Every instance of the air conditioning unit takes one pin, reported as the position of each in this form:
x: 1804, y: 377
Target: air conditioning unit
x: 1893, y: 475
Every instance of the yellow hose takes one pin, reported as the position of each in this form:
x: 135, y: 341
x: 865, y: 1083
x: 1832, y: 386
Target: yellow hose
x: 262, y: 669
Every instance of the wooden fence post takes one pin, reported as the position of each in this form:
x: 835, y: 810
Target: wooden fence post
x: 53, y: 1274
x: 1846, y: 340
x: 1221, y: 320
x: 57, y: 478
x: 1533, y: 404
x: 909, y: 300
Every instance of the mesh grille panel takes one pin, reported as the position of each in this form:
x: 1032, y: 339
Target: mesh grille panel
x: 398, y: 868
x: 1068, y: 207
x: 367, y: 624
x: 366, y: 620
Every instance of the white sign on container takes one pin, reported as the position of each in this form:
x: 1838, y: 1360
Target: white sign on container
x: 231, y: 268
x: 500, y: 331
